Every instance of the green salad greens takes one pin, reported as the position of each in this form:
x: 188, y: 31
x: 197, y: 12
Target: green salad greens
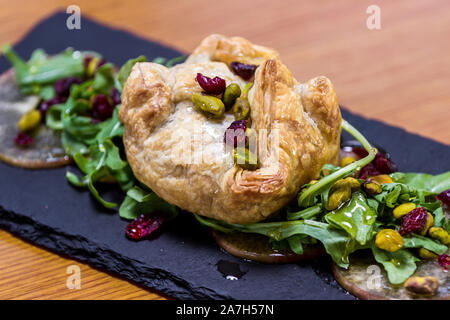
x: 38, y: 74
x: 96, y: 146
x: 341, y: 210
x: 354, y: 225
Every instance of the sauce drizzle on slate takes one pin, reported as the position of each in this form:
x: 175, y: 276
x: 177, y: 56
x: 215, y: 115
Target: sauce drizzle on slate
x: 230, y: 270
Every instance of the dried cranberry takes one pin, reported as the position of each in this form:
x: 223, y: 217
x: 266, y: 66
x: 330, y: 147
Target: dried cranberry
x: 101, y: 108
x: 23, y: 140
x: 384, y: 165
x: 414, y: 221
x: 62, y: 87
x: 43, y: 108
x: 115, y: 96
x: 369, y: 170
x: 444, y: 261
x: 444, y: 196
x: 101, y: 62
x: 144, y: 225
x: 45, y: 105
x: 243, y: 70
x: 360, y: 152
x: 86, y: 60
x: 100, y: 99
x: 211, y: 86
x: 235, y: 134
x: 380, y: 165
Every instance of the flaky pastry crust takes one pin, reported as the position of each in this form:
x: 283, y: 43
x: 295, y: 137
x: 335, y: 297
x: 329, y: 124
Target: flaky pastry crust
x: 299, y: 121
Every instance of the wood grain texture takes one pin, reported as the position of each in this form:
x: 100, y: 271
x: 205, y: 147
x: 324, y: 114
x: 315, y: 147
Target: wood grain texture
x: 29, y: 272
x: 399, y: 74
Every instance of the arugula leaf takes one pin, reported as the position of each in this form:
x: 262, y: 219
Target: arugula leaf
x: 110, y: 128
x: 433, y: 184
x: 78, y: 128
x: 330, y: 168
x: 71, y: 145
x: 397, y: 193
x: 90, y: 144
x: 295, y: 243
x: 20, y: 67
x: 169, y: 63
x: 307, y: 196
x: 307, y: 213
x: 124, y: 177
x: 139, y: 201
x: 46, y: 91
x: 215, y: 224
x: 399, y: 265
x: 38, y: 57
x: 356, y: 217
x: 159, y: 60
x: 104, y: 79
x: 418, y: 241
x: 88, y: 181
x: 103, y: 161
x: 38, y: 74
x: 74, y: 180
x: 175, y: 61
x: 126, y: 70
x: 53, y: 117
x: 440, y: 220
x: 394, y: 193
x: 79, y: 132
x: 423, y: 181
x: 337, y: 243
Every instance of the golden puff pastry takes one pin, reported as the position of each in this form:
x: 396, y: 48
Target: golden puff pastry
x: 180, y: 153
x: 224, y: 49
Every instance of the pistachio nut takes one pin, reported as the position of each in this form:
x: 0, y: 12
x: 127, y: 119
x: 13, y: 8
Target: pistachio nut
x: 209, y: 104
x: 29, y: 120
x: 231, y: 93
x: 389, y: 240
x: 403, y: 209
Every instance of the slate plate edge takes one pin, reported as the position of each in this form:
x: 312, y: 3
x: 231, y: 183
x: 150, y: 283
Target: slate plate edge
x: 84, y: 250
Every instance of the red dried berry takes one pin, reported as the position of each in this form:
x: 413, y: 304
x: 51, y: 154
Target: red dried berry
x: 360, y: 152
x: 62, y: 87
x: 144, y: 225
x: 45, y: 105
x: 214, y: 86
x: 115, y: 96
x: 86, y: 60
x: 414, y: 221
x: 101, y: 108
x: 384, y: 165
x: 444, y: 261
x: 101, y: 62
x: 243, y: 70
x: 444, y: 196
x: 235, y: 134
x: 43, y: 108
x: 23, y: 140
x: 369, y: 170
x: 380, y: 165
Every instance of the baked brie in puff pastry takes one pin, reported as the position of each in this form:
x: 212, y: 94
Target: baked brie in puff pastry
x: 180, y: 153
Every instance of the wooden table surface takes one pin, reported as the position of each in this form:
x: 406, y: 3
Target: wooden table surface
x: 399, y: 74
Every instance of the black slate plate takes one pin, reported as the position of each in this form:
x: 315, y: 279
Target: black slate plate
x: 182, y: 261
